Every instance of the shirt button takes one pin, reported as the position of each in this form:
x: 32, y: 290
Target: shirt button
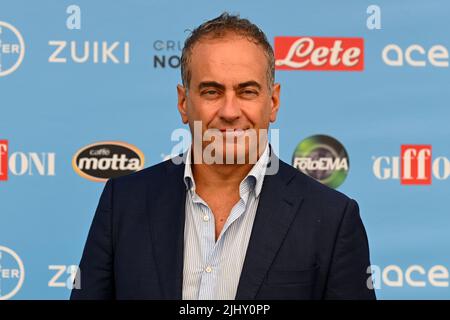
x: 208, y: 269
x: 205, y: 218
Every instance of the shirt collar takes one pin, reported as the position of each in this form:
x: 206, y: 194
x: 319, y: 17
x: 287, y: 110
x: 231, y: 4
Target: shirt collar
x: 258, y: 171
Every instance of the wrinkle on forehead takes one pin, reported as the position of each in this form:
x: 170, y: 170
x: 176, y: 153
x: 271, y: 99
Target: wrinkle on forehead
x: 232, y: 58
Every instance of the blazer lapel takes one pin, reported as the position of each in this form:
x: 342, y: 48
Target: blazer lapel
x: 277, y: 208
x: 167, y: 215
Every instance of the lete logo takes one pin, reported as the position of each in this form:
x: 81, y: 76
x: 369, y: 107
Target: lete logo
x: 319, y: 53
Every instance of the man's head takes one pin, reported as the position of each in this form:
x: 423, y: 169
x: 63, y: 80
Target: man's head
x: 227, y: 69
x: 220, y: 27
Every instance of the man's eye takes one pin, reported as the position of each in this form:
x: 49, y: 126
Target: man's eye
x: 249, y: 93
x: 210, y: 92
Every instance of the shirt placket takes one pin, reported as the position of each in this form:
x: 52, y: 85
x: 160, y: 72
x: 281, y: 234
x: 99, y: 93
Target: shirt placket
x: 211, y: 250
x: 205, y: 221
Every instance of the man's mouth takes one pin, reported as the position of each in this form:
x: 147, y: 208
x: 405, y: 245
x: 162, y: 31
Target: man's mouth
x: 233, y: 129
x: 233, y: 132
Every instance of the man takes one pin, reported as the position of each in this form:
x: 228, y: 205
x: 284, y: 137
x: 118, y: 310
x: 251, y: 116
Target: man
x: 214, y: 229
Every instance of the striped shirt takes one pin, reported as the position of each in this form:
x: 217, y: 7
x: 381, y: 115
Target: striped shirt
x: 212, y: 268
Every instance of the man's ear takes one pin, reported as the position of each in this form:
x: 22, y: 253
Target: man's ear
x: 275, y: 102
x: 182, y: 103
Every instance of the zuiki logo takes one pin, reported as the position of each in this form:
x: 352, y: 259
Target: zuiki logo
x: 12, y: 48
x: 12, y: 273
x: 103, y: 160
x: 25, y: 163
x: 97, y: 52
x: 414, y: 166
x: 319, y: 53
x: 322, y: 158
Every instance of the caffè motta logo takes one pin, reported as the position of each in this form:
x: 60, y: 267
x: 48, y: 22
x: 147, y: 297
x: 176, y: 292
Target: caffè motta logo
x: 109, y: 159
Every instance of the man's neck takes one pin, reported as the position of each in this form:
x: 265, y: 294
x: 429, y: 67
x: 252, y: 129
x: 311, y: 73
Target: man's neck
x: 219, y: 176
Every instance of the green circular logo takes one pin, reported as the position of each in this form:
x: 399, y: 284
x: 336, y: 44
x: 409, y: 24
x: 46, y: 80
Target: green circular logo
x: 322, y: 158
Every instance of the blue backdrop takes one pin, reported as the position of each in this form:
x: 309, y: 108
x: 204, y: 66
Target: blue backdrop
x: 51, y: 109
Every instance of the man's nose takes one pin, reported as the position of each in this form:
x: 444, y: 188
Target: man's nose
x: 230, y: 109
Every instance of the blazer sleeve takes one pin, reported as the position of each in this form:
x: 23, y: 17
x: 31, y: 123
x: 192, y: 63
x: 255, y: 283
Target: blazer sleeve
x: 348, y: 277
x: 96, y: 267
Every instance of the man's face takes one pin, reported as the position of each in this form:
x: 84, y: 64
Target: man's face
x: 229, y: 89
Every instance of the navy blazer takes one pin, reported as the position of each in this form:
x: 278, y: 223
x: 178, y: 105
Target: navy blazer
x: 307, y: 241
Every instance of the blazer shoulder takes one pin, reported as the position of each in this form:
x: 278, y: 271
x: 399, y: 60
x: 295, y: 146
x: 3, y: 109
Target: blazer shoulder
x: 151, y: 176
x: 319, y: 200
x: 312, y: 189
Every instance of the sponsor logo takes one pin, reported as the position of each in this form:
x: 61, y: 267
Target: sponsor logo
x: 109, y: 159
x: 413, y: 276
x: 97, y: 52
x: 414, y: 166
x: 12, y: 48
x: 68, y: 277
x: 25, y: 163
x: 319, y: 53
x: 322, y: 158
x: 168, y: 54
x: 3, y: 160
x: 415, y: 56
x: 12, y: 273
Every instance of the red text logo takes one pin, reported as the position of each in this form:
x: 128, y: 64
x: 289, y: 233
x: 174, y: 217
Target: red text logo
x: 319, y: 53
x: 3, y: 160
x: 415, y: 164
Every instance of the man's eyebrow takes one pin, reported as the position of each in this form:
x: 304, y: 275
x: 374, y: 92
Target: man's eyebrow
x: 214, y: 84
x: 250, y: 83
x: 209, y: 84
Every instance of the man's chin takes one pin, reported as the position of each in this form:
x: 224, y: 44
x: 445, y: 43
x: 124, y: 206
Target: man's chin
x: 233, y: 154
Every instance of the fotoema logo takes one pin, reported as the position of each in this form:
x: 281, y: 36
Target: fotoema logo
x: 108, y: 159
x: 323, y: 158
x: 12, y: 273
x: 12, y: 48
x: 319, y: 53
